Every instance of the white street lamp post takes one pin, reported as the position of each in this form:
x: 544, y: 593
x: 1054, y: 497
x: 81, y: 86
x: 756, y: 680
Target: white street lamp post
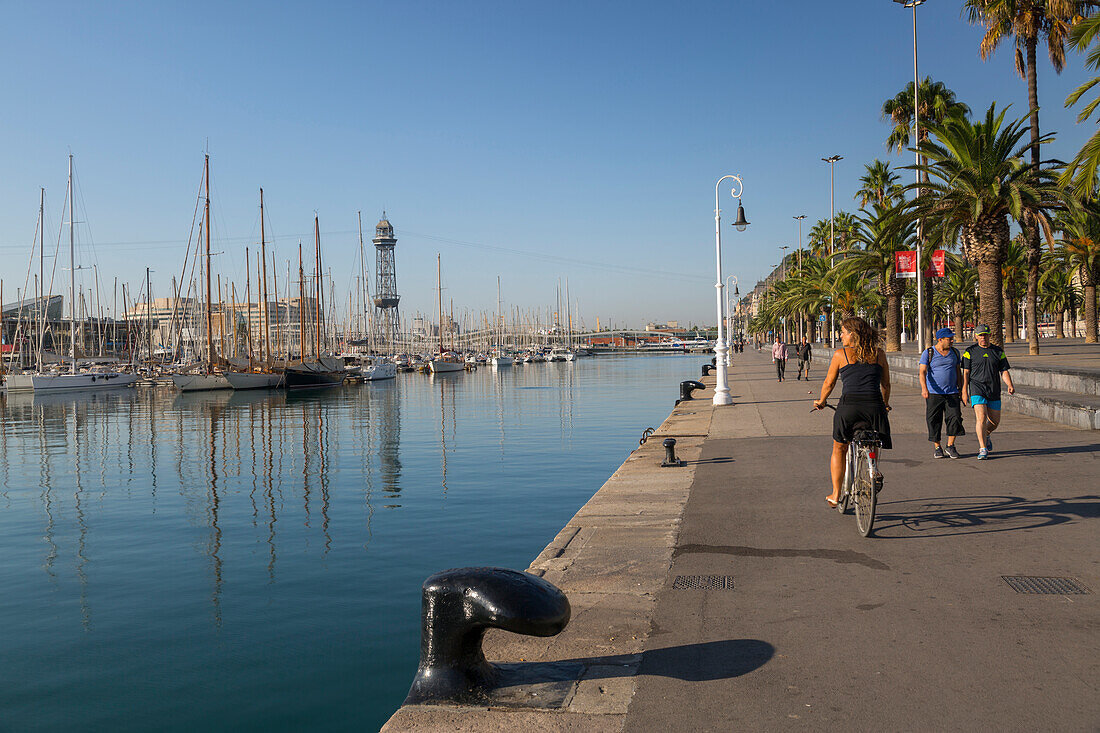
x: 799, y: 218
x: 831, y: 160
x: 721, y: 387
x: 731, y: 292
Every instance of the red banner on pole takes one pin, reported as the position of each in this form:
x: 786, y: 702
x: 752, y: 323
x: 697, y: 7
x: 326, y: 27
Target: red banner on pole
x: 905, y: 264
x: 939, y: 264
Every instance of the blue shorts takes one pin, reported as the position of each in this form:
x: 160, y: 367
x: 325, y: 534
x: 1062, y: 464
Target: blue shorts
x: 992, y: 404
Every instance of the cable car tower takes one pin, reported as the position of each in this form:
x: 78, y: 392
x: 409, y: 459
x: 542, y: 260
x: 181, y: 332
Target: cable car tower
x: 385, y: 292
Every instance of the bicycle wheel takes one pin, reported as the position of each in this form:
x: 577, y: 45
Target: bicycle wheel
x: 865, y: 496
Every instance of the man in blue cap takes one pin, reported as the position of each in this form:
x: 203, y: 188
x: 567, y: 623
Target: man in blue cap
x: 984, y: 367
x: 940, y: 375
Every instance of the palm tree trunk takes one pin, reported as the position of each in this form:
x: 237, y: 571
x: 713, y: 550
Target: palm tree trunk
x: 1059, y: 323
x: 957, y: 315
x: 990, y: 305
x: 1010, y: 320
x: 1090, y: 314
x: 893, y: 322
x: 1033, y: 253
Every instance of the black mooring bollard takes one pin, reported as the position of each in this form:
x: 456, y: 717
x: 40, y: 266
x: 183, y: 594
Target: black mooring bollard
x: 456, y: 609
x: 671, y: 461
x: 687, y: 387
x: 707, y: 369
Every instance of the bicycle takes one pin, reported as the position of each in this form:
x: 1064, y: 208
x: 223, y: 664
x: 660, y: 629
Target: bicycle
x: 862, y: 479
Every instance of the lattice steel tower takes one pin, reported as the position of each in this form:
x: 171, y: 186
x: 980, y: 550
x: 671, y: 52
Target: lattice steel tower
x: 385, y: 292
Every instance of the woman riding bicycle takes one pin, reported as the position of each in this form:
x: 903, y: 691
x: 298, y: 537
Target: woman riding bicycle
x: 863, y: 370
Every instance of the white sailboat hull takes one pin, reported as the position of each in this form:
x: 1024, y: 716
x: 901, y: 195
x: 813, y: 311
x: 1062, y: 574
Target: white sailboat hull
x: 200, y: 382
x: 378, y: 372
x: 253, y: 380
x: 81, y: 382
x: 440, y: 366
x: 502, y: 361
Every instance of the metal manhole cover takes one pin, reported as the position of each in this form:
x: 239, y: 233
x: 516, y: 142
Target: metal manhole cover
x: 703, y: 582
x: 1045, y: 586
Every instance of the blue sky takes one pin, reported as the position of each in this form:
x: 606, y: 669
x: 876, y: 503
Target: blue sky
x: 534, y: 141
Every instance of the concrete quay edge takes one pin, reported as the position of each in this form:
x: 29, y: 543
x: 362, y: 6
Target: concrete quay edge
x: 610, y: 559
x: 1064, y: 397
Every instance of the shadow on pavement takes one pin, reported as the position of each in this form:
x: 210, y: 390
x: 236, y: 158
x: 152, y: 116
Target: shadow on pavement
x: 1052, y: 451
x: 722, y: 459
x: 950, y: 516
x: 712, y: 660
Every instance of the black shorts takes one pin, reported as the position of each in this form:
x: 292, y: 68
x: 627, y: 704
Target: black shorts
x: 860, y: 412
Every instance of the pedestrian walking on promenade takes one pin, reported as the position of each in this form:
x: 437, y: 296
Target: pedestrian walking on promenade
x: 805, y: 355
x: 779, y: 356
x: 984, y: 367
x: 863, y: 370
x: 940, y: 384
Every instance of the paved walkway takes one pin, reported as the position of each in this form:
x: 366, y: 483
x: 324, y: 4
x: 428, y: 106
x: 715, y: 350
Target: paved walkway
x: 913, y: 629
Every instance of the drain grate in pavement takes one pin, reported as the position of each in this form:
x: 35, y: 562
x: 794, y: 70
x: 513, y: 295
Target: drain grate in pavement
x: 703, y: 582
x: 1045, y: 586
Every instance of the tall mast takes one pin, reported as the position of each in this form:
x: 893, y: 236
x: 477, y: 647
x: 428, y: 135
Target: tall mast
x: 248, y: 301
x: 319, y: 290
x: 206, y: 227
x: 439, y: 289
x: 301, y: 306
x: 363, y: 281
x: 148, y: 312
x: 72, y: 276
x: 265, y: 318
x: 42, y: 273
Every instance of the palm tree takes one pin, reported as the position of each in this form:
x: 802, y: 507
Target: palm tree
x: 937, y: 103
x: 879, y: 185
x: 882, y: 233
x: 1059, y: 295
x: 1028, y: 22
x: 977, y: 180
x: 1013, y: 282
x: 1081, y: 172
x: 958, y: 290
x: 1081, y: 247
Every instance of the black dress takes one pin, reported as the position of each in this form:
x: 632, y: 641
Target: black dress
x: 861, y: 405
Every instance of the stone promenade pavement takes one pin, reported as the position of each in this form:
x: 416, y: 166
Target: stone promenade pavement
x: 912, y: 629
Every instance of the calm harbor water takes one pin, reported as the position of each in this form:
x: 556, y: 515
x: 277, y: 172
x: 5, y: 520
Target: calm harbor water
x: 236, y: 561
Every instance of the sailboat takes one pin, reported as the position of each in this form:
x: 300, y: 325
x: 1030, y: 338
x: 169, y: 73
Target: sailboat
x: 263, y: 377
x: 73, y: 380
x: 320, y: 371
x: 207, y: 378
x: 444, y: 361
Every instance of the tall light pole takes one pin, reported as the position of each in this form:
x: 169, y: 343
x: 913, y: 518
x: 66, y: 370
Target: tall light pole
x: 831, y: 160
x: 916, y: 140
x: 721, y: 387
x: 799, y: 218
x: 731, y: 292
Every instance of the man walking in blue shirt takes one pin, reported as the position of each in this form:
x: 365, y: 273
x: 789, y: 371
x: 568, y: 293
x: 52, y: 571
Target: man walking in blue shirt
x: 940, y: 379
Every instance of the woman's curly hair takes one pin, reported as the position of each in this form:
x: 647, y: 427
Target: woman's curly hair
x: 867, y: 338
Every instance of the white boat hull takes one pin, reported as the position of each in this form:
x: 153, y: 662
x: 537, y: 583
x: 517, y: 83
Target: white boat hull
x: 81, y: 382
x: 254, y: 380
x: 502, y: 361
x: 378, y: 372
x: 200, y: 382
x: 439, y: 366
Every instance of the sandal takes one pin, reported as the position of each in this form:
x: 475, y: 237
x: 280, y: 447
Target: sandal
x: 830, y: 502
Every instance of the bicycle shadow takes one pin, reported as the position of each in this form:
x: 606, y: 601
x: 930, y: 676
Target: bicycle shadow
x: 962, y: 515
x: 1052, y: 451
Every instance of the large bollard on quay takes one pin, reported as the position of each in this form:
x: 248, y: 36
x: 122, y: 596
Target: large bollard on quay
x: 458, y: 606
x: 687, y: 387
x: 671, y: 461
x: 707, y: 369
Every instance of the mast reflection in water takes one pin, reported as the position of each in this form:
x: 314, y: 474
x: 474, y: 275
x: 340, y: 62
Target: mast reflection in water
x: 254, y: 559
